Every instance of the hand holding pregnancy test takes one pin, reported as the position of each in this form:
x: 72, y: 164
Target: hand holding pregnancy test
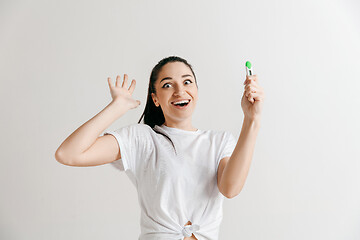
x: 253, y: 96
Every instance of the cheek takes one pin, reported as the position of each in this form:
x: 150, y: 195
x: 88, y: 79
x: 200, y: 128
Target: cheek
x: 163, y: 97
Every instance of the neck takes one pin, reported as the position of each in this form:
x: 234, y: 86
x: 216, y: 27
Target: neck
x: 181, y: 125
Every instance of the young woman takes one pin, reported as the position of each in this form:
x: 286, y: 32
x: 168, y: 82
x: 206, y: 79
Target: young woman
x: 181, y: 173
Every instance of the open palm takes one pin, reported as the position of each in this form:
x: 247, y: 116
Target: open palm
x: 121, y: 92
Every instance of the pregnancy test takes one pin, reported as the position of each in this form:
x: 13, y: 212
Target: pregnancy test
x: 249, y: 70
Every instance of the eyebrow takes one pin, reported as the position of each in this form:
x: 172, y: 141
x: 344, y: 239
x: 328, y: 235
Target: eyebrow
x: 186, y: 75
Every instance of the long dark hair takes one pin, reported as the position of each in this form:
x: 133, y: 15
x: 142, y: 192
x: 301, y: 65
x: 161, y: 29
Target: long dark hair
x: 154, y: 115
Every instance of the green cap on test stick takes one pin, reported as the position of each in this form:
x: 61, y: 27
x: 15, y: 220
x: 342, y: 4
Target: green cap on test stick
x: 248, y: 68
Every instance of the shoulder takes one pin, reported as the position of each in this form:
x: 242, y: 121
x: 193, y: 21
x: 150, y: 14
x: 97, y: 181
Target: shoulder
x: 140, y: 128
x: 137, y: 126
x: 214, y: 133
x: 224, y: 137
x: 135, y: 129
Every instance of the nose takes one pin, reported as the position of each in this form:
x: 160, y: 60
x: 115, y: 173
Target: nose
x: 179, y: 91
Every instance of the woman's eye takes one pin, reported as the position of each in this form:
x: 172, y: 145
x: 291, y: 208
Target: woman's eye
x: 188, y: 80
x: 164, y: 86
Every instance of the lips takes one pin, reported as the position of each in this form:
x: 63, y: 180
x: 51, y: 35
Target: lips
x: 178, y: 100
x: 181, y: 107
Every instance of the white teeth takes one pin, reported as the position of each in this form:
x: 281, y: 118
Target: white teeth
x: 184, y: 101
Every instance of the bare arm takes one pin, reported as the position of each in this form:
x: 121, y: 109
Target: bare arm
x: 84, y: 147
x: 86, y: 135
x: 234, y: 171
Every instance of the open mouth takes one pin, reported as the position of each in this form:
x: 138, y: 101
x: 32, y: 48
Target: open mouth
x: 181, y: 104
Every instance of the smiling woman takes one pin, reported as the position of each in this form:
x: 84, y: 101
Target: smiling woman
x: 178, y: 169
x: 172, y: 80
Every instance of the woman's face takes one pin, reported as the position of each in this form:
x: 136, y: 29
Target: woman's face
x: 175, y: 82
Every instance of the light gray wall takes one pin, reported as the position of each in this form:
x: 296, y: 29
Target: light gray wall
x: 55, y: 57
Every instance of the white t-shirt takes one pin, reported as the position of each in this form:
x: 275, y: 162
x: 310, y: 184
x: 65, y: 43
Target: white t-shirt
x: 175, y: 183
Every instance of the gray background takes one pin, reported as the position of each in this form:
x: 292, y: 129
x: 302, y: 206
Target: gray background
x: 56, y: 56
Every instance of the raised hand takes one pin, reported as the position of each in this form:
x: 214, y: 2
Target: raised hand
x: 121, y: 93
x: 253, y: 98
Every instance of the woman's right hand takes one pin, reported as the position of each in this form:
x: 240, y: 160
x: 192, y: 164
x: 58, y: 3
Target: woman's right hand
x: 120, y: 93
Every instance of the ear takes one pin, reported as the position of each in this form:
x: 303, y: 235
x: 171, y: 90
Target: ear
x: 154, y: 98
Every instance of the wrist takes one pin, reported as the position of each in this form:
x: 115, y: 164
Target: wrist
x: 118, y: 107
x: 252, y: 121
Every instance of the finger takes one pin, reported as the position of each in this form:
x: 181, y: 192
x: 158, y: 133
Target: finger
x: 261, y: 94
x: 251, y: 78
x: 109, y: 82
x: 250, y: 99
x: 125, y: 81
x: 247, y: 93
x: 253, y: 85
x: 118, y: 79
x: 251, y: 88
x: 255, y: 96
x: 251, y: 81
x: 248, y: 81
x: 132, y: 86
x: 255, y: 89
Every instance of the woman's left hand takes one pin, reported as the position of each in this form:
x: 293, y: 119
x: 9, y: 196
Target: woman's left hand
x: 253, y: 98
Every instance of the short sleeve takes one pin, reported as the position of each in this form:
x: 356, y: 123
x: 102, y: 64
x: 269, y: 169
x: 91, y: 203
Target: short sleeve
x: 227, y: 146
x: 133, y: 143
